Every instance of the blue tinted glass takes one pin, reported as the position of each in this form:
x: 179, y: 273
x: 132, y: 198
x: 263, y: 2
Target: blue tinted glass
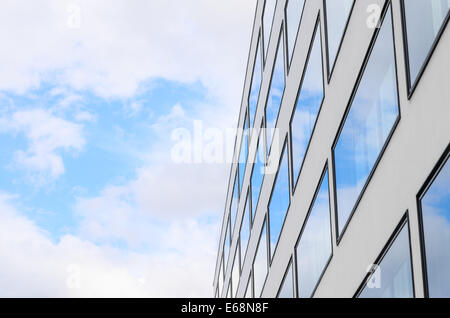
x: 393, y: 277
x: 275, y: 94
x: 269, y: 11
x: 279, y: 202
x: 287, y: 289
x: 314, y: 247
x: 337, y: 16
x: 370, y: 120
x: 234, y: 204
x: 260, y: 264
x: 294, y: 12
x: 243, y: 154
x: 256, y: 85
x: 245, y: 230
x: 436, y: 227
x: 257, y: 175
x: 424, y: 19
x: 308, y: 105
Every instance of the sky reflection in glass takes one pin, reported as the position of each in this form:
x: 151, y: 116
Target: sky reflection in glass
x: 257, y: 175
x: 260, y: 265
x: 294, y: 12
x: 255, y: 86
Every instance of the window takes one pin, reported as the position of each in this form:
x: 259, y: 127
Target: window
x: 269, y: 12
x: 371, y: 119
x: 260, y: 266
x: 314, y: 248
x: 229, y: 290
x: 294, y: 11
x: 220, y: 279
x: 256, y: 84
x: 279, y: 201
x: 435, y: 219
x: 337, y: 14
x: 244, y: 153
x: 245, y: 230
x: 235, y: 275
x: 276, y: 92
x: 249, y: 290
x: 257, y: 174
x: 392, y: 275
x: 226, y: 245
x: 234, y: 204
x: 423, y: 22
x: 287, y: 287
x: 309, y: 101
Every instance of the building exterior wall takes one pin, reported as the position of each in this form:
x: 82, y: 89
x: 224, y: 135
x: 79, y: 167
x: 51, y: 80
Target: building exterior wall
x: 419, y: 140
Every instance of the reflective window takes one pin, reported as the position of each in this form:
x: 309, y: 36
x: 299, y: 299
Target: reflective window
x: 260, y: 265
x: 287, y: 287
x: 256, y: 85
x: 234, y: 204
x: 269, y: 12
x: 314, y: 249
x: 275, y: 94
x: 369, y: 122
x: 308, y: 105
x: 235, y: 276
x: 229, y: 290
x: 392, y: 277
x: 248, y: 291
x: 279, y: 201
x: 337, y: 15
x: 294, y: 10
x: 226, y: 245
x: 220, y: 279
x: 243, y: 153
x: 257, y: 174
x: 435, y: 206
x: 245, y: 230
x: 423, y: 21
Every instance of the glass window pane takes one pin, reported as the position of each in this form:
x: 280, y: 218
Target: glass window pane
x: 234, y: 204
x: 235, y: 276
x: 257, y: 174
x: 436, y: 229
x: 275, y: 94
x: 424, y: 19
x: 287, y: 289
x: 269, y: 11
x: 393, y: 276
x: 294, y: 10
x: 260, y: 266
x: 279, y: 202
x: 248, y: 292
x: 256, y: 85
x: 308, y: 105
x: 314, y: 247
x: 243, y: 154
x: 245, y: 230
x: 226, y: 246
x: 337, y: 14
x: 229, y: 290
x: 370, y: 120
x: 220, y: 280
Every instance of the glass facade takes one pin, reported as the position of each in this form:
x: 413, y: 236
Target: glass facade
x: 269, y: 11
x: 279, y: 201
x: 243, y: 153
x: 372, y: 116
x: 423, y: 21
x: 257, y: 174
x: 287, y: 288
x: 226, y: 245
x: 234, y: 205
x: 235, y: 275
x: 337, y: 15
x: 435, y: 208
x: 294, y: 11
x: 260, y: 265
x: 392, y: 277
x: 256, y: 85
x: 308, y: 104
x: 245, y: 230
x: 276, y: 92
x: 314, y: 247
x: 249, y: 290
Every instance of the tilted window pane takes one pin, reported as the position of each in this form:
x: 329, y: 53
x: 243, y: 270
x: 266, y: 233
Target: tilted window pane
x: 314, y: 247
x: 287, y: 289
x: 234, y: 204
x: 337, y: 16
x: 275, y: 94
x: 393, y: 278
x: 294, y: 12
x: 243, y: 154
x: 424, y: 19
x: 269, y: 11
x: 229, y: 290
x: 257, y: 174
x: 245, y: 230
x: 226, y: 246
x: 279, y: 202
x: 220, y: 280
x: 370, y: 120
x: 235, y: 275
x: 308, y: 105
x: 436, y: 230
x: 260, y: 266
x: 248, y: 292
x: 256, y: 85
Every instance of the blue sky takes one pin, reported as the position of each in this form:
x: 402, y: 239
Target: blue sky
x: 91, y: 203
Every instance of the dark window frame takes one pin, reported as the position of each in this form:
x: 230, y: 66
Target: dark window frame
x: 411, y: 87
x: 404, y: 221
x: 339, y: 236
x: 445, y: 157
x: 289, y: 60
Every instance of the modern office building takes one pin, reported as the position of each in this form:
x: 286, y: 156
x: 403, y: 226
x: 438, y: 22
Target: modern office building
x: 341, y: 180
